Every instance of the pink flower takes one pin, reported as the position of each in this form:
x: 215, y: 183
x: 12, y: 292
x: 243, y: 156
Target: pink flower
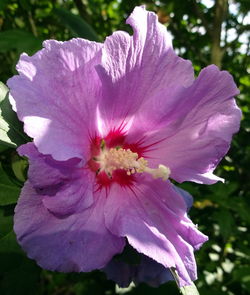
x: 111, y: 123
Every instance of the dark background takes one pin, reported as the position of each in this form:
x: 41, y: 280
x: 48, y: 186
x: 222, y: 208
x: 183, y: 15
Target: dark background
x: 207, y: 31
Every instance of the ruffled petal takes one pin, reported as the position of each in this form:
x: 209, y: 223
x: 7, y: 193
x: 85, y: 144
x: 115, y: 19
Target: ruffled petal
x: 139, y: 70
x: 66, y: 186
x: 147, y: 271
x: 152, y: 215
x: 152, y: 273
x: 72, y: 197
x: 55, y: 95
x: 200, y: 128
x: 79, y: 242
x: 43, y: 170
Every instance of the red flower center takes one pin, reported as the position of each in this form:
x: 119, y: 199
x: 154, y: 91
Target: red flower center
x: 113, y: 160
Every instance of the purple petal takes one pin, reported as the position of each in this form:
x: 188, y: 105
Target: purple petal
x: 136, y: 71
x: 55, y: 95
x: 74, y: 196
x: 66, y: 187
x: 120, y: 272
x: 79, y: 242
x: 186, y: 197
x: 43, y: 170
x: 152, y: 215
x: 146, y: 271
x: 152, y: 273
x: 200, y: 129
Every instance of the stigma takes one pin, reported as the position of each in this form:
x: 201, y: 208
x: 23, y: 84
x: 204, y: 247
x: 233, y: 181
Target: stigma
x: 119, y: 158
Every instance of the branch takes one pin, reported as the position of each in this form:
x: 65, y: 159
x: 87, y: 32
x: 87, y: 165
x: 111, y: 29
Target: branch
x: 82, y: 9
x: 221, y: 9
x: 32, y: 24
x: 220, y: 12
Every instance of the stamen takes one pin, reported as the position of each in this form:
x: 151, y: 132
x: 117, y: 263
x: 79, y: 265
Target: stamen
x: 118, y: 158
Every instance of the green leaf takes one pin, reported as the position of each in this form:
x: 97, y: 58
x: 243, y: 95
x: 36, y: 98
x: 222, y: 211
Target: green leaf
x: 23, y: 280
x: 76, y: 24
x: 3, y: 91
x: 11, y: 129
x: 9, y: 192
x: 8, y: 244
x: 25, y: 4
x: 3, y: 147
x: 14, y: 166
x: 19, y: 167
x: 4, y: 138
x: 15, y: 267
x: 242, y: 274
x: 4, y: 127
x: 21, y: 40
x: 6, y: 220
x: 3, y: 3
x: 225, y: 221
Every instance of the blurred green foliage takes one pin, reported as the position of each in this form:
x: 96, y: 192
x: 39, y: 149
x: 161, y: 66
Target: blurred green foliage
x: 220, y: 210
